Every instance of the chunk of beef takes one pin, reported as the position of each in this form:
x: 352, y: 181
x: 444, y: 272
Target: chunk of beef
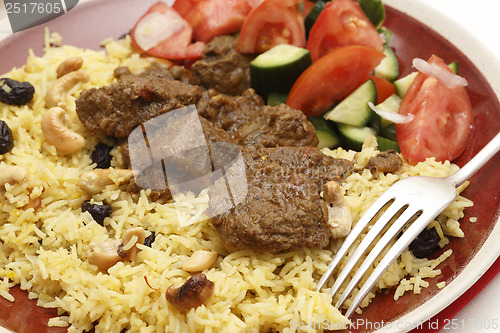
x: 179, y: 164
x: 283, y: 209
x: 175, y: 72
x: 386, y: 162
x: 250, y: 122
x: 279, y: 126
x: 121, y: 71
x: 230, y: 113
x: 222, y: 68
x: 310, y: 161
x: 120, y: 107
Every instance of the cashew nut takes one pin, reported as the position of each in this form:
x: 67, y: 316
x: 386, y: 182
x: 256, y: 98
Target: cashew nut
x: 69, y: 65
x: 106, y: 254
x: 11, y: 174
x: 58, y: 135
x: 95, y: 181
x: 131, y: 238
x: 339, y: 213
x: 332, y: 193
x: 199, y: 261
x: 55, y: 94
x: 196, y: 291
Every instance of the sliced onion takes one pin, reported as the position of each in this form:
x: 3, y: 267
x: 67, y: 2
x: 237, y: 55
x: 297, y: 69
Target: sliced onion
x: 391, y: 116
x: 444, y: 76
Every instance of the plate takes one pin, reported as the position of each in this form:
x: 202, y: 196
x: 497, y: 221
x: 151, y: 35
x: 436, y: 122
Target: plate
x: 89, y: 23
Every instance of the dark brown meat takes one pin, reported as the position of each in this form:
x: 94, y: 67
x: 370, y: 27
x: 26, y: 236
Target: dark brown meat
x: 181, y: 162
x: 282, y: 209
x: 175, y: 72
x: 310, y: 161
x: 120, y: 107
x: 120, y: 71
x: 250, y: 122
x: 386, y: 162
x: 222, y: 68
x: 279, y: 126
x: 230, y: 113
x: 278, y: 205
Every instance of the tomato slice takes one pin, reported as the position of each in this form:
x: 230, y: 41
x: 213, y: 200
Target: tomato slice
x: 342, y: 23
x: 332, y: 78
x: 161, y: 32
x: 442, y: 122
x: 384, y: 88
x: 210, y: 18
x: 270, y: 23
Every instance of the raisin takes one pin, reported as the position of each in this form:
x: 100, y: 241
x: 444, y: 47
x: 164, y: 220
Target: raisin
x: 150, y: 239
x: 6, y: 139
x: 14, y: 92
x: 101, y: 156
x: 98, y: 212
x: 426, y: 243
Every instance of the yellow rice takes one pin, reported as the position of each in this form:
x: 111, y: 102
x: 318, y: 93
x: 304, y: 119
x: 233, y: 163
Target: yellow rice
x: 44, y: 251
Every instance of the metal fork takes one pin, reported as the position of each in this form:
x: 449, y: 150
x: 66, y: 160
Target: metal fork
x: 411, y: 203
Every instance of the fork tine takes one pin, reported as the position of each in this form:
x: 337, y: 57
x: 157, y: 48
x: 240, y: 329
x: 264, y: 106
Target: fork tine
x: 353, y: 235
x: 386, y: 217
x: 395, y: 228
x: 402, y: 243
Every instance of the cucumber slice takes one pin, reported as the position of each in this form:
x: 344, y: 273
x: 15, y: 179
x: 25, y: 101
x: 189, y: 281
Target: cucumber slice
x: 386, y: 127
x: 355, y: 136
x: 374, y: 10
x: 389, y: 66
x: 389, y: 132
x: 404, y: 83
x: 277, y: 69
x: 386, y: 34
x: 274, y: 99
x: 391, y: 104
x: 327, y: 139
x: 386, y: 144
x: 320, y: 123
x: 454, y: 67
x: 354, y: 109
x: 325, y: 132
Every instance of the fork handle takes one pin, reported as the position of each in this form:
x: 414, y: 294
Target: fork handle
x: 484, y: 155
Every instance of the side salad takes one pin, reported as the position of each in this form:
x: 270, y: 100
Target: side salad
x: 331, y: 59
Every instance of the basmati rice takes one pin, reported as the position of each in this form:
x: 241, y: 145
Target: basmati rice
x: 45, y: 250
